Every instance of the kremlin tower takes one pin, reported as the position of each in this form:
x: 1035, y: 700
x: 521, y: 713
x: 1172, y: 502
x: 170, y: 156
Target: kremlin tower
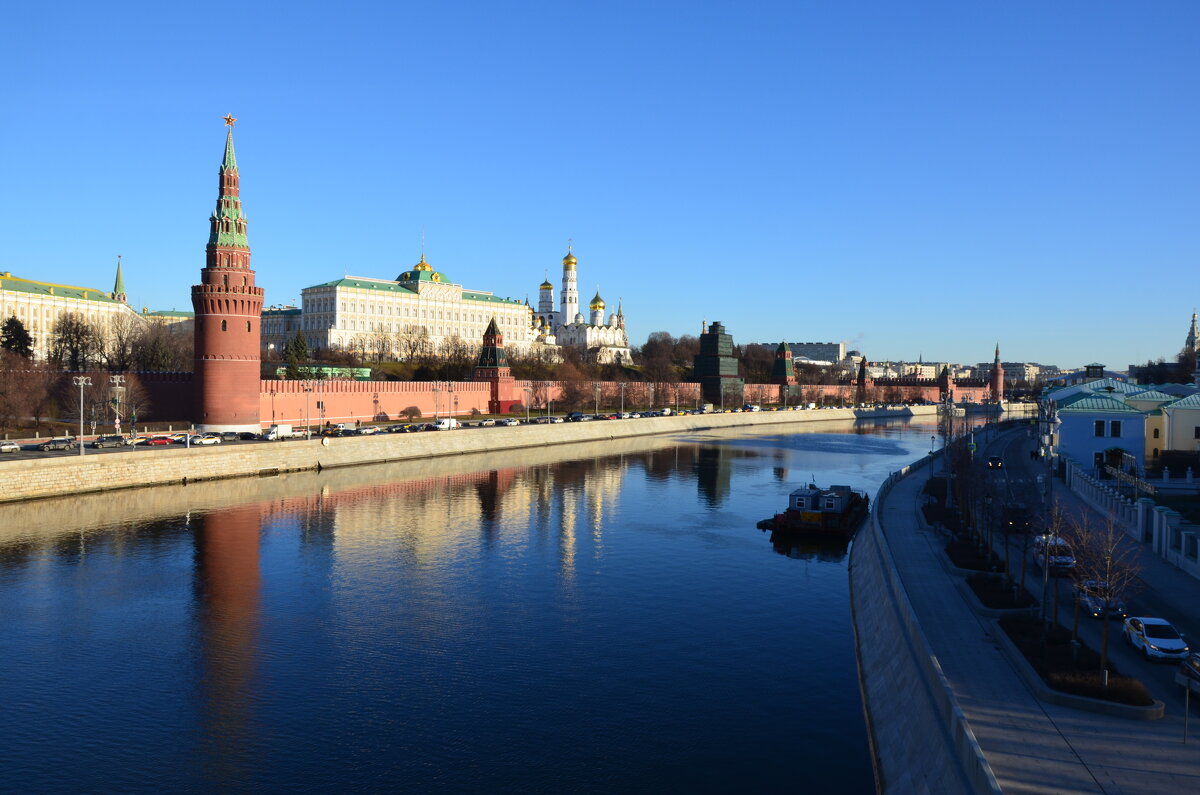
x: 228, y: 313
x: 570, y: 290
x: 997, y: 380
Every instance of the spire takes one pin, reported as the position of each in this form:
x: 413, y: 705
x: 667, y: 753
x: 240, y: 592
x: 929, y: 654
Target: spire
x: 997, y: 351
x: 230, y: 161
x: 119, y: 284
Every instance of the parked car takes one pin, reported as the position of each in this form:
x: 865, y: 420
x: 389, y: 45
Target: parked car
x: 556, y: 420
x: 135, y: 440
x: 62, y: 443
x: 1156, y: 638
x: 369, y: 430
x: 208, y: 438
x: 487, y: 423
x: 159, y: 440
x: 576, y: 416
x: 229, y: 436
x: 510, y: 421
x: 9, y: 447
x: 109, y: 441
x: 1098, y: 601
x: 246, y: 436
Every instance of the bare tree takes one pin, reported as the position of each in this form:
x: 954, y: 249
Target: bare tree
x: 125, y: 330
x: 1107, y: 564
x: 75, y: 342
x: 159, y: 348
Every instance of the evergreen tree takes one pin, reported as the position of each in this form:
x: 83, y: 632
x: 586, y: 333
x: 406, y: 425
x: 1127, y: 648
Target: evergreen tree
x: 15, y: 338
x: 295, y: 352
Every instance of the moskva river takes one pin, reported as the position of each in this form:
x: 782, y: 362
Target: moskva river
x: 599, y: 618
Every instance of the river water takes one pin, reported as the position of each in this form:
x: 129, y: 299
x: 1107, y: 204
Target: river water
x: 595, y: 618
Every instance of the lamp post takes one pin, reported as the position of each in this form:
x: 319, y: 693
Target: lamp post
x: 307, y: 416
x: 528, y: 400
x: 115, y: 382
x: 596, y: 392
x: 437, y: 394
x: 622, y: 397
x: 81, y: 381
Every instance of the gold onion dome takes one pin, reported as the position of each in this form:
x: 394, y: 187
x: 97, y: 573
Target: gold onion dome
x: 546, y: 285
x: 422, y: 265
x: 570, y: 260
x: 597, y: 302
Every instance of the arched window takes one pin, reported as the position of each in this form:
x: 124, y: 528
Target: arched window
x: 1156, y: 436
x: 247, y: 325
x: 224, y: 326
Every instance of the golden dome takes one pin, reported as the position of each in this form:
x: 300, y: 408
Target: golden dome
x: 422, y: 265
x: 569, y: 261
x: 597, y: 302
x: 546, y: 285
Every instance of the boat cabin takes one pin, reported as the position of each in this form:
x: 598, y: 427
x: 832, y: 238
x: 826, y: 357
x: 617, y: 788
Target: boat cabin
x: 834, y: 499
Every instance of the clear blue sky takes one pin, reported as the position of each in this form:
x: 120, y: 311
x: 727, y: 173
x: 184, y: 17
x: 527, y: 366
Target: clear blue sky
x: 915, y: 178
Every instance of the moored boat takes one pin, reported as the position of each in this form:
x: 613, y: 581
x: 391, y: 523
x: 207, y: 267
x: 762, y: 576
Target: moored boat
x: 835, y: 511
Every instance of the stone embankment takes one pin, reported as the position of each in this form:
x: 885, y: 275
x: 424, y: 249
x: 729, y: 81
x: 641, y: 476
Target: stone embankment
x: 70, y: 474
x: 920, y: 739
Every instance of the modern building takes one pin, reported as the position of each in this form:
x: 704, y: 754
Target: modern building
x: 819, y: 351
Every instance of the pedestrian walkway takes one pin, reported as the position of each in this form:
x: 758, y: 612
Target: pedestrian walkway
x: 1031, y: 746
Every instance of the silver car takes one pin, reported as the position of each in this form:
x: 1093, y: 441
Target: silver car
x: 9, y: 447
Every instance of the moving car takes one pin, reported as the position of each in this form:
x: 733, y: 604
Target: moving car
x: 61, y: 443
x: 1098, y: 601
x: 487, y: 423
x: 510, y: 421
x: 1156, y: 638
x: 207, y: 438
x: 9, y: 447
x: 995, y: 462
x: 157, y: 440
x: 109, y: 441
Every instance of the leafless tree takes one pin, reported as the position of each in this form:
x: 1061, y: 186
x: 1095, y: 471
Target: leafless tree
x: 125, y: 331
x: 75, y: 342
x: 1105, y: 557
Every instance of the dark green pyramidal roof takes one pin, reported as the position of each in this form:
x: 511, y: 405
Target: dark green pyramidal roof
x: 230, y: 161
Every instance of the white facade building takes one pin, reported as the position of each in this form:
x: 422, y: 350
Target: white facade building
x: 604, y: 341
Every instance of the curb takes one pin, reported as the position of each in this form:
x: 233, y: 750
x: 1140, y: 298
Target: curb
x: 1045, y: 693
x: 989, y: 612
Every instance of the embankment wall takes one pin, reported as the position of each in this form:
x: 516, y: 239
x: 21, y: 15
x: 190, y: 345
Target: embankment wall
x: 920, y: 738
x: 70, y: 474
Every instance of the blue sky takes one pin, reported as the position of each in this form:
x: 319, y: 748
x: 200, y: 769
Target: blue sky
x: 916, y: 178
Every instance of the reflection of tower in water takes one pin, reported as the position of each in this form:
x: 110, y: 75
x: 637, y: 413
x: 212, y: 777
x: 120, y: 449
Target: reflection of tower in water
x: 714, y: 471
x: 228, y: 595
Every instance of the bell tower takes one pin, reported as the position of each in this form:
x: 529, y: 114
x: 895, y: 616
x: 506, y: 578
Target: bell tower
x: 228, y: 313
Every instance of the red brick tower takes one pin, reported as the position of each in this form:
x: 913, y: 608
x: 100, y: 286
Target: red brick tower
x: 493, y: 367
x: 997, y: 384
x: 228, y: 312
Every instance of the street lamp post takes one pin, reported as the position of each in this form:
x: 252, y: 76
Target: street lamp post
x: 437, y: 395
x: 528, y: 400
x: 307, y: 415
x: 115, y: 382
x: 81, y: 381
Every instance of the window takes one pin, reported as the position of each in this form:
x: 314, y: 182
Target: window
x: 224, y: 326
x: 1115, y: 429
x: 829, y: 502
x: 1196, y: 432
x: 1156, y: 432
x: 1099, y: 427
x: 247, y: 325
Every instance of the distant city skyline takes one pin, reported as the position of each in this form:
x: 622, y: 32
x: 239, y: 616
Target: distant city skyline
x: 909, y: 179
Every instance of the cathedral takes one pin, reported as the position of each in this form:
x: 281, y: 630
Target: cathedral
x: 604, y: 342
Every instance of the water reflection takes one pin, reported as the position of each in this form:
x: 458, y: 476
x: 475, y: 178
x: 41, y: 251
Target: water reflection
x: 504, y: 621
x: 799, y: 546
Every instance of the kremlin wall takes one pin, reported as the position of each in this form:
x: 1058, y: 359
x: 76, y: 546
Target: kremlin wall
x: 225, y: 391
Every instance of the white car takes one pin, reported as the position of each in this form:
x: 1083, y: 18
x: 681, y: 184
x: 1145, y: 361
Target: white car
x: 9, y: 447
x: 1156, y: 638
x: 510, y: 421
x: 206, y: 439
x: 556, y: 420
x: 488, y: 423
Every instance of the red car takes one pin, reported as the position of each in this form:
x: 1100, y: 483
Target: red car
x: 159, y: 440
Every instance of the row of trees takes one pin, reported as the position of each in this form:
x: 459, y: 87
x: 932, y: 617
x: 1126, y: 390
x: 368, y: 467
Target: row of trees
x: 126, y: 343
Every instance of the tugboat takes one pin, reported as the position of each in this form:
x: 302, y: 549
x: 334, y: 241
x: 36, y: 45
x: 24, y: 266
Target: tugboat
x: 835, y: 511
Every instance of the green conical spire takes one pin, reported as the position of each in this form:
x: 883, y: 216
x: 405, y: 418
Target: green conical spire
x: 119, y: 284
x: 230, y: 161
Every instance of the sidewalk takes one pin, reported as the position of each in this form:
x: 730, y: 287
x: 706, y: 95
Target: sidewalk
x: 1031, y: 746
